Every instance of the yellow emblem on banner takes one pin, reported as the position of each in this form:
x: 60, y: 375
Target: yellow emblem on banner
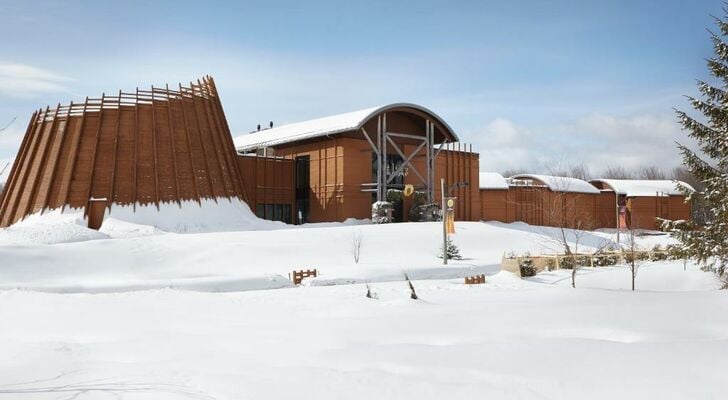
x: 450, y: 223
x: 408, y: 190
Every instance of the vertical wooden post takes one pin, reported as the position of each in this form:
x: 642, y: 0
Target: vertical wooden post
x: 204, y: 149
x: 115, y: 156
x: 43, y: 154
x: 228, y: 136
x: 213, y: 139
x: 154, y: 147
x: 174, y: 151
x: 189, y: 147
x: 136, y: 145
x: 18, y: 169
x: 223, y: 151
x: 444, y: 222
x: 58, y: 157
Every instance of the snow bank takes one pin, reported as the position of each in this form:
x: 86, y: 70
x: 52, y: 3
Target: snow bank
x: 202, y: 284
x: 51, y: 227
x: 210, y: 215
x: 506, y: 339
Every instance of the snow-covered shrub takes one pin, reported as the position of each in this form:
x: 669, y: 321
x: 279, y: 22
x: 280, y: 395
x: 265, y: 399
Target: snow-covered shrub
x: 527, y: 267
x: 550, y: 264
x: 676, y: 252
x: 394, y: 195
x: 658, y: 254
x: 567, y: 263
x: 605, y: 260
x: 425, y: 213
x: 382, y: 212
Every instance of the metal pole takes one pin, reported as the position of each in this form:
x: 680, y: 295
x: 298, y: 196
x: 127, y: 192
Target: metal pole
x: 379, y: 158
x: 444, y: 222
x: 616, y: 211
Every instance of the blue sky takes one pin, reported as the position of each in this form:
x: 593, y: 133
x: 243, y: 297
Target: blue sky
x: 533, y: 85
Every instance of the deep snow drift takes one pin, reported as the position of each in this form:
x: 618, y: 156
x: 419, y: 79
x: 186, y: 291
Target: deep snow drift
x: 126, y: 256
x: 507, y: 339
x: 130, y: 312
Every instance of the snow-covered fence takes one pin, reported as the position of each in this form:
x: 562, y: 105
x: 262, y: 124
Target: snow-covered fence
x: 513, y: 263
x: 297, y: 276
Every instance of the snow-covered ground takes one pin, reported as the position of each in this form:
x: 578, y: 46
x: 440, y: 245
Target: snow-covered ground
x: 507, y: 339
x: 126, y: 256
x: 138, y: 313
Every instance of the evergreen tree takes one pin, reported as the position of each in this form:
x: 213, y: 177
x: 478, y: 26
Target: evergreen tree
x: 453, y: 253
x: 709, y: 243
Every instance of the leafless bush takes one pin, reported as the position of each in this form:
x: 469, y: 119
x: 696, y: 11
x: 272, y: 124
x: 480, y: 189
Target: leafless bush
x: 617, y: 172
x: 356, y: 245
x: 631, y: 255
x: 651, y: 172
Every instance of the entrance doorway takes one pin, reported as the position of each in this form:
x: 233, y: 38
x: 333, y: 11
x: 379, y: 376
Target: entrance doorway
x: 303, y: 186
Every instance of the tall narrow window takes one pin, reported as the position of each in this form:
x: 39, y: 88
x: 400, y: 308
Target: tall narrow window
x: 303, y: 187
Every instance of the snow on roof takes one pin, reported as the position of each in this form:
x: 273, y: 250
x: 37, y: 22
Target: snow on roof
x: 644, y: 188
x: 492, y: 180
x: 561, y: 183
x: 321, y: 127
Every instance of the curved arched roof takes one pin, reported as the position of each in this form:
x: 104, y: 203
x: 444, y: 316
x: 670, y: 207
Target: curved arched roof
x: 561, y: 183
x: 644, y: 187
x: 330, y: 125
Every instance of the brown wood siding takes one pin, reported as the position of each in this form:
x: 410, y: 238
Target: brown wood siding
x: 145, y: 147
x: 275, y: 187
x: 494, y: 205
x: 606, y: 210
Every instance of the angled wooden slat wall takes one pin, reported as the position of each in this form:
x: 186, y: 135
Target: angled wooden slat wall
x: 145, y: 147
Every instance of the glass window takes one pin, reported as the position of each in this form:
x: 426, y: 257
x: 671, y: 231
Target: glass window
x: 286, y: 217
x: 277, y: 208
x: 259, y: 210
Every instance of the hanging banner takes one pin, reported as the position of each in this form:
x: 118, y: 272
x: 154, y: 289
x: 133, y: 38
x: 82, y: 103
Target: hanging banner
x: 450, y: 223
x: 450, y: 215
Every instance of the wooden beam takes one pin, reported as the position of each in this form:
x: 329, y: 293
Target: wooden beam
x: 43, y: 160
x: 134, y: 178
x: 112, y: 178
x: 58, y: 157
x: 204, y: 152
x: 6, y: 217
x: 154, y: 147
x: 212, y: 130
x: 174, y: 152
x: 189, y: 147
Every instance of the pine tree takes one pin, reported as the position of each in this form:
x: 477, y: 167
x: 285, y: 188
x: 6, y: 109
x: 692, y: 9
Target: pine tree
x: 709, y: 243
x: 453, y: 252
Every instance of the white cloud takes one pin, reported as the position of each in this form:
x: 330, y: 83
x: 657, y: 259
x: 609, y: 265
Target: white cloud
x: 22, y: 80
x: 596, y: 140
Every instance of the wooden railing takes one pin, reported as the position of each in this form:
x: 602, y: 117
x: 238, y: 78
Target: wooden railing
x: 297, y: 276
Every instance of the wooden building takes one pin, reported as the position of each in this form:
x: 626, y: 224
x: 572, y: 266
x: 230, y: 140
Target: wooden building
x: 494, y: 197
x: 169, y: 146
x: 342, y: 164
x: 639, y: 204
x: 552, y: 201
x: 147, y: 147
x: 540, y: 200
